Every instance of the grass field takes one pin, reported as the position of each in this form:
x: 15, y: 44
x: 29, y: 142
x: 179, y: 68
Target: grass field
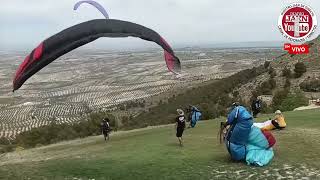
x: 153, y: 153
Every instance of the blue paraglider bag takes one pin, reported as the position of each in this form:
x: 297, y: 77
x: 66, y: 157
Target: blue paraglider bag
x: 195, y: 116
x: 237, y: 136
x: 237, y: 151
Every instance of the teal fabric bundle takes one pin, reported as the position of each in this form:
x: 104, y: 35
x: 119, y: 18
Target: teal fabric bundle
x: 258, y: 151
x: 258, y: 156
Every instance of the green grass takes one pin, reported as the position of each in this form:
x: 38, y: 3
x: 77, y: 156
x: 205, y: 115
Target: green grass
x: 155, y: 154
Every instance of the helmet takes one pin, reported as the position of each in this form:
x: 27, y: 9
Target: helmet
x: 235, y: 104
x: 278, y: 112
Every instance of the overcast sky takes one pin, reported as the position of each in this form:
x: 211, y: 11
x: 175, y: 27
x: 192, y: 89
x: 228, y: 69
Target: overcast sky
x: 25, y: 23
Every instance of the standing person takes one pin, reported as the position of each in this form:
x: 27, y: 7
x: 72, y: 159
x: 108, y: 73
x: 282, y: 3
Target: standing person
x: 105, y: 128
x: 256, y: 106
x: 180, y: 125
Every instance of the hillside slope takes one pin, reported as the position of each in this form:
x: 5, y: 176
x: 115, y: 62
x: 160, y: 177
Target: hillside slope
x: 155, y: 154
x: 214, y: 98
x: 288, y: 61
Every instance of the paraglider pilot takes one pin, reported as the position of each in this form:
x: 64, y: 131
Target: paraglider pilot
x: 256, y: 106
x: 180, y: 125
x: 194, y: 116
x: 277, y: 123
x: 105, y: 128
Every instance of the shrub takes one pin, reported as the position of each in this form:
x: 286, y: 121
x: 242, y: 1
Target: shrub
x: 310, y: 85
x: 272, y: 72
x: 272, y: 83
x: 299, y: 69
x: 266, y: 64
x: 266, y: 108
x: 7, y: 148
x: 4, y: 141
x: 266, y: 87
x: 235, y: 93
x: 287, y: 83
x: 293, y: 100
x: 286, y: 101
x: 286, y: 73
x: 255, y: 94
x: 278, y: 97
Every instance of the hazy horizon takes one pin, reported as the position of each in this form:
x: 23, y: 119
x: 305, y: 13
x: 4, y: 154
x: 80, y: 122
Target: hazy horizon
x: 142, y: 47
x: 24, y: 24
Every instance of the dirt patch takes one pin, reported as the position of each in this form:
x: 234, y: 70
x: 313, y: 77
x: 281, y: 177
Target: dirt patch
x: 306, y: 107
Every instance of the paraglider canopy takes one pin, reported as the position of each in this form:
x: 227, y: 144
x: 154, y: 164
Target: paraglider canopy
x: 98, y: 6
x: 83, y: 33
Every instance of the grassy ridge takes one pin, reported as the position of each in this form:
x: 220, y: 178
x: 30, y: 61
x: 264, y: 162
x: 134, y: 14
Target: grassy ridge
x: 155, y: 154
x: 213, y: 99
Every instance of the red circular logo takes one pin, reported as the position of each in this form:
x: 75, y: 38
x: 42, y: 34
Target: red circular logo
x: 297, y: 22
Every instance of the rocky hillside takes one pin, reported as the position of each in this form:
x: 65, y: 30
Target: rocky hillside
x: 275, y: 79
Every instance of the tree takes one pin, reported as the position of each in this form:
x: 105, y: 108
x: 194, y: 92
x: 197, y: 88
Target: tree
x: 235, y: 93
x: 287, y: 83
x: 272, y: 83
x: 272, y: 72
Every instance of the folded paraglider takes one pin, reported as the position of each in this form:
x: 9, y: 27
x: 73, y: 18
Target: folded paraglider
x: 246, y: 142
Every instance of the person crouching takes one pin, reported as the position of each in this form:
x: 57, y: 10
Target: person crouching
x: 180, y: 125
x: 277, y: 123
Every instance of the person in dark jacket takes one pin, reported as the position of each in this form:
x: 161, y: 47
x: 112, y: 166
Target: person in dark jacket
x: 256, y: 106
x: 180, y: 125
x: 105, y: 128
